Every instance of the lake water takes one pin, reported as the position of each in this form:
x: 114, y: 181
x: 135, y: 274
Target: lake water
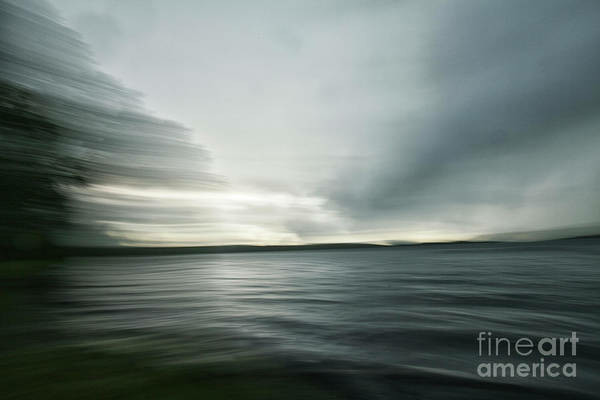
x: 374, y: 323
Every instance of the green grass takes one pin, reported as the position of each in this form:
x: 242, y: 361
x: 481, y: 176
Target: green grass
x: 24, y: 269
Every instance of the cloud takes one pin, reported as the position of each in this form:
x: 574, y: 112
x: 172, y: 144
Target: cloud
x: 407, y: 119
x: 513, y: 116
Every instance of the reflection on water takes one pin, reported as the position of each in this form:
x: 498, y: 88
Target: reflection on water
x: 405, y: 312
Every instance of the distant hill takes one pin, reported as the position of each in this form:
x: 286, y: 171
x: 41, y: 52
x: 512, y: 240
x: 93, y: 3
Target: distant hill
x: 540, y: 235
x: 157, y: 251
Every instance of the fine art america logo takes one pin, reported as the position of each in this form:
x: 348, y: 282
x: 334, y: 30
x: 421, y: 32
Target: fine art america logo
x: 548, y: 354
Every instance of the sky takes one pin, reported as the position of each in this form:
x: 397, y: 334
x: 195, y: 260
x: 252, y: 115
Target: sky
x: 341, y: 121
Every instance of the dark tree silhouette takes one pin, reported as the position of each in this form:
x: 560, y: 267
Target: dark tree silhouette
x: 35, y: 172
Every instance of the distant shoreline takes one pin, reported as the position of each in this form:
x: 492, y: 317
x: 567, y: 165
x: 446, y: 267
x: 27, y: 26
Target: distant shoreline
x: 108, y: 251
x: 150, y: 251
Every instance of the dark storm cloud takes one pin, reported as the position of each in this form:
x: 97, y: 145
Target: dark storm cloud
x: 515, y: 84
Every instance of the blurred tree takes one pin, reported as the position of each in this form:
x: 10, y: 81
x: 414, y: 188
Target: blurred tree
x: 63, y: 120
x: 34, y: 173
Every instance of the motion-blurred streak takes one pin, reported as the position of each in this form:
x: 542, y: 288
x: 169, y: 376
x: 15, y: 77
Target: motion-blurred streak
x: 65, y: 124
